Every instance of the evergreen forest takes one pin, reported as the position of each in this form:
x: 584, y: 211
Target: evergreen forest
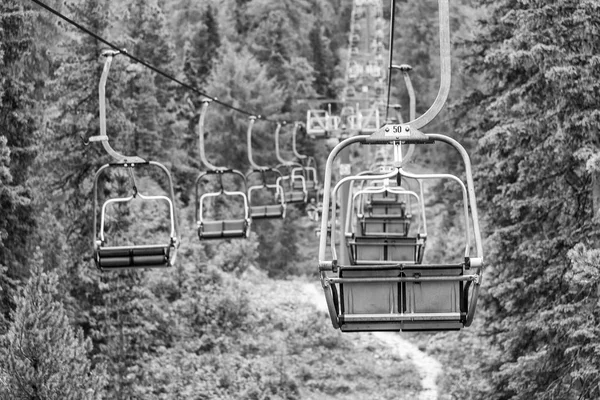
x: 237, y: 319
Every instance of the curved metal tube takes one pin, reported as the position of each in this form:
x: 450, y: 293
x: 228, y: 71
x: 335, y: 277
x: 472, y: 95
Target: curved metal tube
x: 465, y: 200
x: 412, y: 111
x: 201, y: 147
x: 249, y: 144
x: 220, y: 172
x: 278, y: 192
x: 129, y: 198
x: 327, y: 196
x: 171, y: 197
x: 380, y: 189
x: 470, y: 187
x: 216, y: 194
x: 334, y: 205
x: 277, y: 151
x: 118, y: 157
x: 294, y: 148
x: 445, y: 69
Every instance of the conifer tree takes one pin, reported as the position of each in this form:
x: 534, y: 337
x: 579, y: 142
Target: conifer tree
x: 536, y: 119
x: 322, y: 60
x: 202, y: 50
x: 18, y: 135
x: 239, y: 79
x: 42, y: 356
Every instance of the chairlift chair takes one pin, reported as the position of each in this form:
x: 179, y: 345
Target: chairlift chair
x: 294, y: 175
x: 388, y: 265
x: 382, y: 238
x: 309, y: 168
x: 211, y: 227
x: 119, y: 257
x: 269, y: 185
x: 404, y: 295
x: 221, y: 228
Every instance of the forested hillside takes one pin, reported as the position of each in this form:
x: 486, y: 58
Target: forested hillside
x: 233, y: 319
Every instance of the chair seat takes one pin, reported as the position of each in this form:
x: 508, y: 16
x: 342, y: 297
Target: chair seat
x: 372, y: 250
x: 224, y: 229
x: 267, y: 211
x: 133, y: 257
x: 298, y: 186
x: 385, y: 225
x: 394, y: 305
x: 378, y: 210
x: 295, y: 197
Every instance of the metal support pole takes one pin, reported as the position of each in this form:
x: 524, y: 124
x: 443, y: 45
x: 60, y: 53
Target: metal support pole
x: 345, y: 170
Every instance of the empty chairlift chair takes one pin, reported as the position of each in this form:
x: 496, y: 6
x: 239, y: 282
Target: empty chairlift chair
x: 405, y: 295
x: 309, y: 169
x: 160, y: 253
x: 293, y: 177
x: 265, y: 192
x: 220, y: 227
x: 384, y: 285
x: 384, y: 238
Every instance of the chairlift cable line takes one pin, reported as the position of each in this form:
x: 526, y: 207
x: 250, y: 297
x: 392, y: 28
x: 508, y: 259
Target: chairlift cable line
x: 391, y: 52
x: 151, y: 67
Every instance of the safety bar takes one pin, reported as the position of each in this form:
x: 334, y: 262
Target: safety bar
x: 279, y: 192
x: 389, y: 189
x: 227, y: 193
x: 409, y: 205
x: 441, y: 278
x: 409, y: 175
x: 220, y: 173
x: 470, y: 187
x: 129, y: 198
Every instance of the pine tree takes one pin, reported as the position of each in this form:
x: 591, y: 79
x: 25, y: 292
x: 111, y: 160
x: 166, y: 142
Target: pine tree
x: 42, y: 356
x: 202, y: 50
x: 323, y: 62
x: 18, y: 136
x: 239, y: 79
x: 537, y: 121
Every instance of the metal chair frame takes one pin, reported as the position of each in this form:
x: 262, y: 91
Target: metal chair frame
x: 264, y: 211
x: 460, y: 276
x: 134, y: 256
x: 294, y: 178
x: 229, y: 228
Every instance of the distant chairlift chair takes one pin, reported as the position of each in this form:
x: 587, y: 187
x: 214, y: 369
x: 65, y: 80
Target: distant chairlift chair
x: 216, y: 227
x: 269, y: 186
x: 294, y: 177
x: 309, y: 169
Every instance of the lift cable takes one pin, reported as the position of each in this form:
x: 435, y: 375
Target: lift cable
x: 151, y: 67
x: 389, y: 85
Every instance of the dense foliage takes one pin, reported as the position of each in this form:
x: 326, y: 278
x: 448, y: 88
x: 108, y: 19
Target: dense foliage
x: 525, y: 103
x: 536, y: 121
